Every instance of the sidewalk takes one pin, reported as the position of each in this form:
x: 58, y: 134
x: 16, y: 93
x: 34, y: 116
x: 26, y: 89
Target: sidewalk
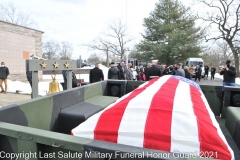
x: 6, y: 99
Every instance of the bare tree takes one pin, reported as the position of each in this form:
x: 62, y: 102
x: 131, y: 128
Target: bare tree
x: 95, y: 58
x: 225, y: 17
x: 211, y: 58
x: 118, y: 38
x: 66, y: 51
x: 224, y: 53
x: 102, y: 45
x: 51, y: 50
x: 113, y: 43
x: 217, y: 56
x: 10, y: 13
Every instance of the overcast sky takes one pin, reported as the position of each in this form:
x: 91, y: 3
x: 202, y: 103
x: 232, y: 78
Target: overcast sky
x: 81, y: 21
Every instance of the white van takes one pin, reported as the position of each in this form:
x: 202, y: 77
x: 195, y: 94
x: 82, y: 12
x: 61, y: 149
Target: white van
x: 195, y: 62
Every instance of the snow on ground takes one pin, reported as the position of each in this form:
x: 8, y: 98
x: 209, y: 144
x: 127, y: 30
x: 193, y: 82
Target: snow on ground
x: 237, y: 80
x: 25, y: 88
x: 217, y: 75
x: 43, y: 87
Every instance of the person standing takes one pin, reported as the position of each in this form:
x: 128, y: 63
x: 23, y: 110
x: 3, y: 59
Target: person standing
x: 64, y: 74
x: 174, y: 69
x: 142, y: 75
x: 229, y: 74
x: 179, y: 71
x: 198, y: 71
x: 96, y: 74
x: 171, y: 70
x: 129, y: 74
x: 121, y: 70
x: 166, y: 71
x: 74, y: 80
x: 137, y: 73
x: 206, y: 69
x: 187, y: 73
x: 153, y: 71
x: 146, y: 70
x: 191, y: 69
x: 4, y: 72
x: 113, y: 72
x: 162, y: 68
x: 29, y: 77
x: 213, y: 70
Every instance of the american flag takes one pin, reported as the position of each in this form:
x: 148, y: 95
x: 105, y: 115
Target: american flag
x: 169, y: 113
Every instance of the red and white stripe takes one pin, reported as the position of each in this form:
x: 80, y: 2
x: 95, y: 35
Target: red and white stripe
x: 87, y: 129
x: 221, y: 138
x: 164, y: 114
x: 132, y: 127
x: 184, y: 135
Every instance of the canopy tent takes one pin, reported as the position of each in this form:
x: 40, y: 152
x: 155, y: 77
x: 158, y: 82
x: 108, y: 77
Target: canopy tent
x: 169, y: 113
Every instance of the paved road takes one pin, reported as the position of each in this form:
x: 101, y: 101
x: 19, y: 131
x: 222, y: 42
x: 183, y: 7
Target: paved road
x: 215, y: 82
x: 9, y: 98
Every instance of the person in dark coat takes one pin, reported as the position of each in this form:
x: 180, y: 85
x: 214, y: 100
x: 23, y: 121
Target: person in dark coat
x: 153, y: 71
x: 121, y: 70
x: 74, y: 80
x: 171, y: 70
x: 146, y: 70
x: 166, y: 71
x: 29, y: 77
x: 96, y: 74
x: 187, y: 73
x: 113, y: 72
x: 64, y: 74
x: 198, y: 71
x: 4, y: 72
x: 138, y: 73
x: 213, y: 71
x: 206, y: 69
x: 175, y: 68
x: 229, y: 74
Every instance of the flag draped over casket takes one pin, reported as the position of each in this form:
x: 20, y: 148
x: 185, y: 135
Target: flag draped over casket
x: 169, y: 113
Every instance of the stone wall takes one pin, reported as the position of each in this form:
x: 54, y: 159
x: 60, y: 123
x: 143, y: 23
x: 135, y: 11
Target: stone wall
x: 17, y: 43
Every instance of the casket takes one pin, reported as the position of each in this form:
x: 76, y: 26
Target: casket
x: 169, y: 113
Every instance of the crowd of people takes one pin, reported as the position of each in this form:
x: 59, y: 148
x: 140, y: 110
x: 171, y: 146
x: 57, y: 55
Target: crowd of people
x: 152, y: 70
x: 124, y: 71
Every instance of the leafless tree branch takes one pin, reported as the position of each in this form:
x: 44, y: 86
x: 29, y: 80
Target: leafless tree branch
x: 9, y: 13
x: 228, y: 31
x: 118, y: 34
x: 101, y: 45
